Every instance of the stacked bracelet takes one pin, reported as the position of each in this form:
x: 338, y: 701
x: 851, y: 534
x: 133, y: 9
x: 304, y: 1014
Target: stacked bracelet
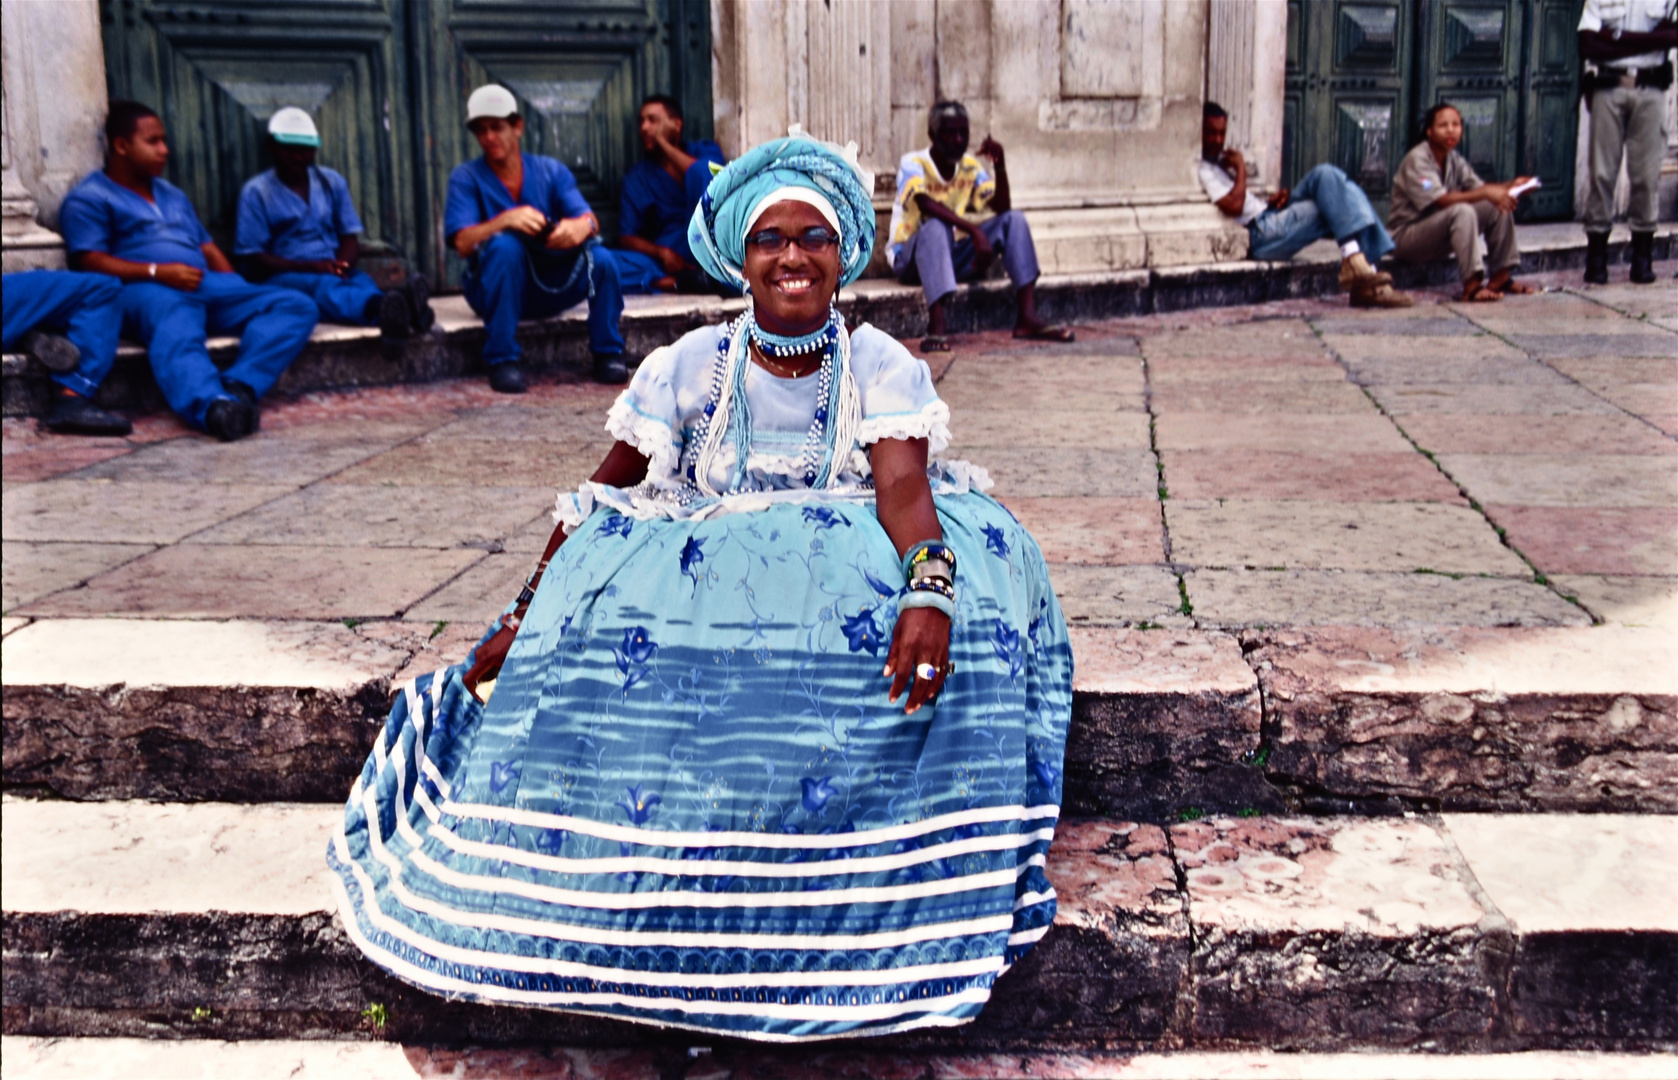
x: 930, y: 567
x: 928, y: 598
x: 926, y: 550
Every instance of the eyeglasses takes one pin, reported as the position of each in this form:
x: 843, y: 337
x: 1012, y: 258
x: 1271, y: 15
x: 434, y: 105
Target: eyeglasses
x: 815, y: 241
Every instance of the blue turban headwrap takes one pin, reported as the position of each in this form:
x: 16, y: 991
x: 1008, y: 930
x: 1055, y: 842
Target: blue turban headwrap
x: 717, y: 233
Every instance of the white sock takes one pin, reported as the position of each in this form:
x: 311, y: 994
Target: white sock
x: 1348, y: 249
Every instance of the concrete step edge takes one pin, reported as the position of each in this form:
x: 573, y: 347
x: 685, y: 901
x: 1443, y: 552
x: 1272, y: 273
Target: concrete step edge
x: 1320, y: 720
x: 301, y: 1059
x: 1456, y: 933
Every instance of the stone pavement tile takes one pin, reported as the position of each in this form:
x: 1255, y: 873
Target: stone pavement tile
x: 57, y: 1058
x: 1269, y: 474
x: 1479, y: 398
x: 1260, y: 397
x: 1655, y: 343
x: 1642, y: 399
x: 351, y: 515
x: 1565, y: 479
x: 1117, y: 595
x: 101, y: 652
x: 1092, y: 341
x: 1068, y: 471
x: 1635, y: 300
x: 1427, y: 321
x: 994, y: 427
x: 1111, y: 374
x: 480, y: 463
x: 967, y: 392
x: 1346, y: 433
x: 8, y: 625
x: 1600, y: 371
x: 1625, y: 600
x: 1593, y: 539
x: 1316, y: 905
x: 135, y: 857
x: 1567, y: 872
x: 532, y: 538
x: 557, y: 421
x: 1510, y: 371
x: 1467, y: 434
x: 435, y: 649
x: 102, y: 511
x: 31, y: 570
x: 1473, y: 718
x: 288, y: 456
x: 1666, y: 423
x: 1262, y: 338
x: 1240, y: 598
x: 1094, y: 531
x: 1111, y: 661
x: 1171, y: 370
x: 1360, y: 349
x: 1557, y: 307
x: 48, y: 461
x: 1393, y: 537
x: 478, y: 595
x: 211, y: 581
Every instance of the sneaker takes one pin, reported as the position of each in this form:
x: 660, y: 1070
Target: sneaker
x: 228, y: 419
x: 56, y: 353
x: 419, y: 302
x: 396, y: 322
x: 610, y: 369
x: 1380, y: 296
x: 1355, y: 270
x: 73, y: 414
x: 246, y: 397
x: 506, y: 378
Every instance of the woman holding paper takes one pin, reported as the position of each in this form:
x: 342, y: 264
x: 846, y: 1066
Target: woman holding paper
x: 1441, y: 207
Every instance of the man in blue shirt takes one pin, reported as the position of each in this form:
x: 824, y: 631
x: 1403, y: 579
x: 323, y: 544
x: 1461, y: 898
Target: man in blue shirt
x: 659, y: 194
x: 298, y: 229
x: 532, y: 244
x: 131, y: 224
x: 86, y: 308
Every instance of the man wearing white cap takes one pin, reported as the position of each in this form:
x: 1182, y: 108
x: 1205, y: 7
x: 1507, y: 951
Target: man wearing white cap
x: 532, y: 243
x: 298, y: 229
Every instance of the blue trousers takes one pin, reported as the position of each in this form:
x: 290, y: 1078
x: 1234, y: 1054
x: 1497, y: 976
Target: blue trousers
x: 340, y: 299
x: 637, y: 272
x: 1325, y: 203
x: 937, y: 260
x: 86, y: 307
x: 273, y: 326
x: 507, y: 283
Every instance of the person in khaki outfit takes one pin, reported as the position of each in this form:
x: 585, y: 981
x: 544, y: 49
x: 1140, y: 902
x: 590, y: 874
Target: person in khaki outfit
x: 1442, y: 207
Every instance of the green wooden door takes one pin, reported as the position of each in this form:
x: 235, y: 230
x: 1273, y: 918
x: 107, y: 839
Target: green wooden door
x: 1471, y: 57
x: 387, y: 80
x: 1550, y: 99
x: 1347, y: 101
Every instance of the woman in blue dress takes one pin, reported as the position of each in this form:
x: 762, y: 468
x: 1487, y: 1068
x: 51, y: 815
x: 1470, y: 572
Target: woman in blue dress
x: 771, y: 743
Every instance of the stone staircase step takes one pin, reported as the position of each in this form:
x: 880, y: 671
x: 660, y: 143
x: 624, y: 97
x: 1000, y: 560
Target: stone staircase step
x: 302, y: 1059
x: 1452, y: 933
x: 1166, y: 723
x: 340, y: 357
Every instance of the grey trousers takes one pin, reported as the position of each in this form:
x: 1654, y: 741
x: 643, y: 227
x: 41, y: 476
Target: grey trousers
x: 1633, y: 120
x: 1453, y: 230
x: 935, y: 259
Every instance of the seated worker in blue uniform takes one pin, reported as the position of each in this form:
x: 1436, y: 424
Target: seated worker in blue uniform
x: 85, y: 308
x: 128, y: 222
x: 298, y: 229
x: 659, y: 194
x: 531, y: 242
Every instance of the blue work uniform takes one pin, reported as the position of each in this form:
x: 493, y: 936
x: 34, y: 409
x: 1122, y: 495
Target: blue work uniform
x: 274, y: 220
x: 86, y: 308
x: 99, y: 215
x: 507, y: 281
x: 656, y: 207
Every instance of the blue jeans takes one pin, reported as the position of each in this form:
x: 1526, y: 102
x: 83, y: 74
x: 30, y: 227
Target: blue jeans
x: 85, y: 306
x: 935, y: 259
x: 1325, y: 203
x: 273, y: 326
x: 507, y: 283
x: 339, y: 299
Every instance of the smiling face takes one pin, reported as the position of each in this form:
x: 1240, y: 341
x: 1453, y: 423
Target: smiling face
x: 792, y: 289
x: 499, y: 138
x: 1446, y: 130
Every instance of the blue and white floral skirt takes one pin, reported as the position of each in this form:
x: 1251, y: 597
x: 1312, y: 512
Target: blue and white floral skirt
x: 688, y: 801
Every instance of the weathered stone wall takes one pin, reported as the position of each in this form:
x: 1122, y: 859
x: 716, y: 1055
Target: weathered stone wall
x: 1097, y: 104
x: 55, y: 106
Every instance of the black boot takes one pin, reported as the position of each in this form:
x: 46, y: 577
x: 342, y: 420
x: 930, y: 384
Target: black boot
x: 228, y: 419
x: 247, y: 398
x: 73, y: 414
x: 58, y: 354
x: 506, y: 378
x: 419, y: 302
x: 1596, y: 258
x: 1642, y: 258
x: 396, y: 321
x: 610, y: 369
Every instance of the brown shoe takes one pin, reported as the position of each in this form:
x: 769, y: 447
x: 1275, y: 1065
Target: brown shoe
x: 1355, y: 271
x: 1380, y: 296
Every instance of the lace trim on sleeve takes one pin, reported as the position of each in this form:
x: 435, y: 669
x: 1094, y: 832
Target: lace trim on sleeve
x: 572, y: 508
x: 931, y: 422
x: 651, y: 437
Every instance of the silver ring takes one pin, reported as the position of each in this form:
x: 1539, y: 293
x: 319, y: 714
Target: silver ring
x: 926, y: 672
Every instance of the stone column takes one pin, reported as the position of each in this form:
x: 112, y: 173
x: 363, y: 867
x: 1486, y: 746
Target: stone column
x: 54, y: 108
x: 1246, y: 64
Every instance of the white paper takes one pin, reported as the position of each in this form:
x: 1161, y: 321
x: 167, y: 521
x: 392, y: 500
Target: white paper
x: 1521, y: 189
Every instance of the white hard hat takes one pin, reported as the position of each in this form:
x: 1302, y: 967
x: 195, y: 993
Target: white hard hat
x: 293, y: 126
x: 492, y: 101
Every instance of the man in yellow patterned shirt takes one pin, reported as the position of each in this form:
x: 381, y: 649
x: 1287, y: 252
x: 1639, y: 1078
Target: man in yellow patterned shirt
x: 943, y: 190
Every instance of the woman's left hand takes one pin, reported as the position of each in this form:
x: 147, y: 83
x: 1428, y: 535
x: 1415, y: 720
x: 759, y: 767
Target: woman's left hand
x: 922, y: 636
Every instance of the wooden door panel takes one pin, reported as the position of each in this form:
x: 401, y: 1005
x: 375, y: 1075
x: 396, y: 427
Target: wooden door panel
x: 1551, y: 94
x: 1472, y: 58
